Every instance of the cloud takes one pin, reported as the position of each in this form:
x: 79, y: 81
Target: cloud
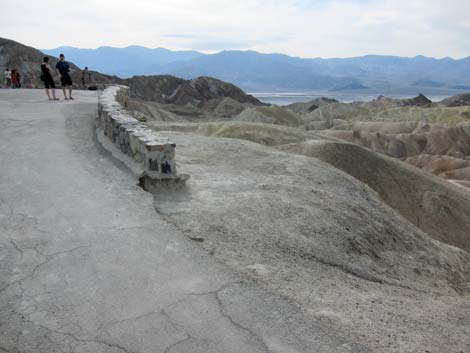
x: 211, y: 43
x: 377, y: 18
x: 307, y: 28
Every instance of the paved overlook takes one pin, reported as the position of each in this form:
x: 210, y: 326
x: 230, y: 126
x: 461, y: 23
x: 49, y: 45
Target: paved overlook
x: 87, y: 265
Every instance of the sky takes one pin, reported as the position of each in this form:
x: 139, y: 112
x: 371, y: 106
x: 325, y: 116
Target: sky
x: 316, y: 28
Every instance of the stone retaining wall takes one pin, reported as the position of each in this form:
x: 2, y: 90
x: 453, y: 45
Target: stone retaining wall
x: 134, y: 138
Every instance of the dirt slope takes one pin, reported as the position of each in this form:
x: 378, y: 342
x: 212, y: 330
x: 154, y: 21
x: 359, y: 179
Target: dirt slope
x: 323, y: 239
x: 436, y: 207
x: 270, y: 115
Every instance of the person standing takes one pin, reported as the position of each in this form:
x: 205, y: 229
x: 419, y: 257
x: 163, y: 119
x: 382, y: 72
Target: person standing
x: 46, y: 77
x: 63, y: 69
x: 7, y: 76
x: 13, y: 79
x: 84, y: 73
x: 18, y: 79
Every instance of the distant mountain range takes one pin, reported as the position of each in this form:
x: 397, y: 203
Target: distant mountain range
x: 256, y: 72
x: 124, y: 62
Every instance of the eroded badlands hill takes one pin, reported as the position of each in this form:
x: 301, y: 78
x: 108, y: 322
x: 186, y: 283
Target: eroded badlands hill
x: 435, y: 138
x: 374, y: 247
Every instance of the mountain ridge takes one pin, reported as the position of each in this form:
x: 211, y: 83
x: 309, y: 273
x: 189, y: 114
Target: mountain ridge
x: 122, y: 61
x: 254, y: 71
x: 418, y: 56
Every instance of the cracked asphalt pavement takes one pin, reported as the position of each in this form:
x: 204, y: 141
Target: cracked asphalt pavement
x: 87, y: 265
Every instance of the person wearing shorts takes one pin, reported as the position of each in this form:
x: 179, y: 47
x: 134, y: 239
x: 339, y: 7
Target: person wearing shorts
x: 46, y: 77
x: 63, y: 69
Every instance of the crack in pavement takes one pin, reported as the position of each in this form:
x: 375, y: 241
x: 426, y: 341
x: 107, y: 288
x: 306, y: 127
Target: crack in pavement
x: 111, y: 345
x: 60, y: 329
x: 161, y: 312
x: 13, y: 243
x: 238, y: 325
x: 177, y: 327
x: 169, y: 348
x: 223, y: 312
x: 21, y: 250
x: 225, y: 286
x: 48, y: 258
x: 80, y: 340
x: 103, y: 326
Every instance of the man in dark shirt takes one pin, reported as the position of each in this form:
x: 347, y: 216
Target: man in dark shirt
x: 63, y: 70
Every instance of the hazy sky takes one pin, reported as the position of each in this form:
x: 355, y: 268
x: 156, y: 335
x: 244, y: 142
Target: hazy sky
x: 322, y: 28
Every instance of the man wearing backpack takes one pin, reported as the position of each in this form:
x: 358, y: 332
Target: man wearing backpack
x: 63, y: 69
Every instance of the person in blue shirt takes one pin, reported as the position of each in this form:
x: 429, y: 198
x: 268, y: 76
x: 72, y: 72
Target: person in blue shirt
x: 63, y: 70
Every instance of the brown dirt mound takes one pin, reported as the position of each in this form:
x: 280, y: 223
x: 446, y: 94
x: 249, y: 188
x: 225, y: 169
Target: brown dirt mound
x: 173, y: 90
x: 444, y: 140
x: 152, y: 111
x: 342, y: 111
x: 432, y: 139
x: 229, y: 107
x: 438, y: 165
x: 310, y: 106
x: 462, y: 174
x: 397, y: 146
x: 270, y: 115
x: 380, y: 126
